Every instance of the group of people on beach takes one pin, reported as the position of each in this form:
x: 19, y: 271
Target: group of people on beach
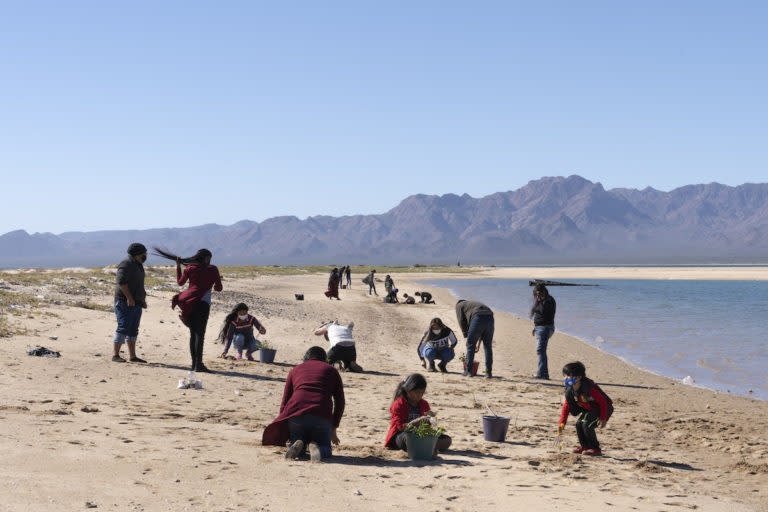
x: 313, y: 398
x: 336, y: 279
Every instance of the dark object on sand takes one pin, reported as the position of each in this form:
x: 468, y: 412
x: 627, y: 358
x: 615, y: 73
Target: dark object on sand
x: 299, y: 296
x: 534, y: 282
x: 43, y: 352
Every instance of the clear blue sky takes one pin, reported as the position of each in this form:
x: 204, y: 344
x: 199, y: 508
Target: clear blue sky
x: 134, y: 115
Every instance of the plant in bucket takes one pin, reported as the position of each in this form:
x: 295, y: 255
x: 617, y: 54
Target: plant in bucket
x: 421, y: 439
x: 475, y: 364
x: 267, y: 352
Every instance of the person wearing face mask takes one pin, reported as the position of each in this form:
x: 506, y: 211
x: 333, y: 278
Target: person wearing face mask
x: 585, y: 399
x: 130, y: 299
x: 437, y: 343
x: 238, y: 330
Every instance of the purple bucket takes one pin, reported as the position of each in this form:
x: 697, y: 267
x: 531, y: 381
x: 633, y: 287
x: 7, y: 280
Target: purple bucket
x: 495, y: 428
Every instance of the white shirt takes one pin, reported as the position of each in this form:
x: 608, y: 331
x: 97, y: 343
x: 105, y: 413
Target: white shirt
x: 340, y: 335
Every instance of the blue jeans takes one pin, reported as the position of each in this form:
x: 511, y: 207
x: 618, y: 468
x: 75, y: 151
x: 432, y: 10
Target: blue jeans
x: 543, y: 333
x: 128, y: 319
x: 480, y: 328
x: 444, y: 354
x: 311, y: 428
x: 241, y: 343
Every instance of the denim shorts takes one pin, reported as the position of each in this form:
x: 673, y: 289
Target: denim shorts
x: 128, y: 319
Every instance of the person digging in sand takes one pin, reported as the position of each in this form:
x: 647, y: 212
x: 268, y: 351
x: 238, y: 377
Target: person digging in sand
x: 437, y: 343
x: 238, y: 330
x: 311, y: 409
x: 409, y: 408
x: 342, y: 349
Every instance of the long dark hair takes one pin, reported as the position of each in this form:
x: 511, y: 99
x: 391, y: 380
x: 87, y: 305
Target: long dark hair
x: 199, y: 257
x: 444, y: 331
x: 413, y: 381
x: 230, y: 318
x: 544, y: 294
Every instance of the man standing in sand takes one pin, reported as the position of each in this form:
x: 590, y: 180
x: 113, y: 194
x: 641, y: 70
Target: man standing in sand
x: 476, y: 321
x: 130, y: 299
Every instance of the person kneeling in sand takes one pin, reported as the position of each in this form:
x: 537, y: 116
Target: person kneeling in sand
x: 426, y: 297
x: 438, y: 342
x: 409, y: 409
x: 409, y: 300
x: 342, y: 349
x: 311, y: 409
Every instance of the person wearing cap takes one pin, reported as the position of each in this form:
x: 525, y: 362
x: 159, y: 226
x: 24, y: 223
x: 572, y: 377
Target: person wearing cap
x: 130, y: 299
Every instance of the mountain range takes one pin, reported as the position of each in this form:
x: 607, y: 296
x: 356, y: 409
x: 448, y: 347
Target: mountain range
x: 553, y: 220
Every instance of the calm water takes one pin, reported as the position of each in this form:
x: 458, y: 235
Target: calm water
x: 711, y: 330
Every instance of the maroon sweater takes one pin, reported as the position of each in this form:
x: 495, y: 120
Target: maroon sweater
x: 313, y: 387
x: 201, y: 280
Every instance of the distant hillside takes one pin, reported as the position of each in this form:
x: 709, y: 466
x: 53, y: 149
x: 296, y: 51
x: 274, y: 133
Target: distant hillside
x: 549, y: 221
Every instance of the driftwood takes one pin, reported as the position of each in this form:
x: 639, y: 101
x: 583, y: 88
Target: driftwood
x: 534, y: 282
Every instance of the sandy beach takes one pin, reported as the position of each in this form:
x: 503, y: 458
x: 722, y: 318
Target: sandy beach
x: 81, y: 431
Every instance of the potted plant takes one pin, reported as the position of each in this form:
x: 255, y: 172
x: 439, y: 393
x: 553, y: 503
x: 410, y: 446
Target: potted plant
x: 267, y: 352
x: 421, y: 440
x: 475, y: 364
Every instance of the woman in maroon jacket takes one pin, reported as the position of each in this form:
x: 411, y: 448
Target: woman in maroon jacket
x: 195, y: 301
x: 311, y: 410
x: 410, y: 408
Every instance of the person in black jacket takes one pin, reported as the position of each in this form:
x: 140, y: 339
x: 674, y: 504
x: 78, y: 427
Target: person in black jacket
x: 543, y: 315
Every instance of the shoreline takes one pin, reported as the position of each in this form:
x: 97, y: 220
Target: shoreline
x: 682, y: 272
x: 73, y: 421
x: 742, y: 390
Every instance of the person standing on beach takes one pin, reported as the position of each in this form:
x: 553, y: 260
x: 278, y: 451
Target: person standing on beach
x: 389, y: 284
x: 348, y: 273
x: 476, y: 322
x: 543, y: 315
x: 370, y: 281
x: 130, y: 299
x: 195, y: 301
x: 333, y: 284
x: 311, y: 409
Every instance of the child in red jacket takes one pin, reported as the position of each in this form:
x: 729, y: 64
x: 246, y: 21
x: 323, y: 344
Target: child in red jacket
x: 409, y: 408
x: 584, y: 398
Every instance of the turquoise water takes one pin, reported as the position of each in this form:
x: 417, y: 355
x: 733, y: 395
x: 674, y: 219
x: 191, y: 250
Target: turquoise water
x: 712, y: 331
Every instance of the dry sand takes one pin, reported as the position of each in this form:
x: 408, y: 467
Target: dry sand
x: 81, y: 429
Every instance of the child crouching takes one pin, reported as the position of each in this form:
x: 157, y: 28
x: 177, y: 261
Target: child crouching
x: 238, y: 330
x: 410, y: 408
x: 584, y: 398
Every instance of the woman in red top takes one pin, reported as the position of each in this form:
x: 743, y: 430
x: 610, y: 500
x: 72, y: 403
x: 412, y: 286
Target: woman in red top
x: 410, y: 408
x: 195, y: 301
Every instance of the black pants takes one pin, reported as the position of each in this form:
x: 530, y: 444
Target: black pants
x: 343, y: 354
x: 585, y: 429
x: 198, y: 321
